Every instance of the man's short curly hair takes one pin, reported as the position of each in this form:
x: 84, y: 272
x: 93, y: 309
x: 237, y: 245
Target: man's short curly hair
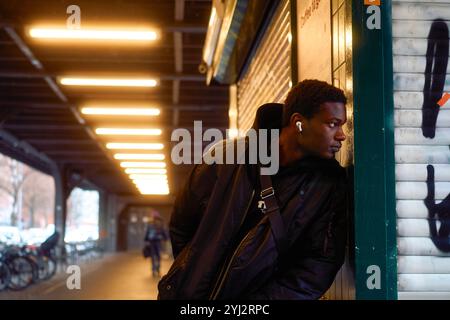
x: 307, y: 96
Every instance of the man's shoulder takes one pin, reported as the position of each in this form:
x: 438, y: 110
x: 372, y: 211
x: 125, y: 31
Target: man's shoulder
x: 218, y: 150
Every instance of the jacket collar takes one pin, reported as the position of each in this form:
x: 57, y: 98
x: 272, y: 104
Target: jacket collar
x: 268, y: 116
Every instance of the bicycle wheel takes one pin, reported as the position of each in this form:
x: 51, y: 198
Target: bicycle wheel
x: 5, y: 276
x: 43, y: 267
x: 34, y: 268
x: 51, y: 267
x: 21, y: 273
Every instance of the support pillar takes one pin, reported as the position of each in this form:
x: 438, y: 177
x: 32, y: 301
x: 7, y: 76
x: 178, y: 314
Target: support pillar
x: 62, y: 192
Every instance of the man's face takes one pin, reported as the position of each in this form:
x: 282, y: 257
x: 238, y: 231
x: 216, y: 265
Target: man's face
x: 323, y: 133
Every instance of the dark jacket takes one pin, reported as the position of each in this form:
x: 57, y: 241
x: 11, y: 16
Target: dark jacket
x: 209, y: 213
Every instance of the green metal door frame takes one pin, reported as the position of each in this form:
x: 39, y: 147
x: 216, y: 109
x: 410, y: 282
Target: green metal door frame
x: 375, y: 214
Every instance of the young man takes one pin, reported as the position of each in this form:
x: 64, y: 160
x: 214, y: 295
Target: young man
x: 228, y: 246
x: 155, y: 235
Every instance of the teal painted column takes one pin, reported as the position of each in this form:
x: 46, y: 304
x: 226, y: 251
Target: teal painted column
x: 375, y: 216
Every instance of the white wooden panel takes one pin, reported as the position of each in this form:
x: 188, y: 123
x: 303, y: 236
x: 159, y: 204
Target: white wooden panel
x: 424, y: 282
x: 418, y: 172
x: 422, y: 1
x: 413, y: 82
x: 413, y: 118
x: 421, y: 264
x: 420, y: 11
x: 424, y: 271
x: 412, y: 28
x: 422, y: 154
x: 418, y: 190
x: 414, y: 136
x: 418, y: 246
x: 414, y: 209
x: 411, y: 64
x: 408, y: 100
x: 426, y: 295
x: 413, y: 228
x: 411, y: 209
x: 412, y: 47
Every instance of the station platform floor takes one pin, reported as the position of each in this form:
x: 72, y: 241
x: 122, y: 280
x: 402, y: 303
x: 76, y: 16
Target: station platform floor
x: 118, y: 276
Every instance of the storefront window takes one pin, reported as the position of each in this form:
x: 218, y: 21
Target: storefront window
x: 26, y: 203
x: 82, y: 223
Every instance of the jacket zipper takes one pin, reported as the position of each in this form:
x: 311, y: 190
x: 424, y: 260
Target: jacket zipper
x: 223, y: 272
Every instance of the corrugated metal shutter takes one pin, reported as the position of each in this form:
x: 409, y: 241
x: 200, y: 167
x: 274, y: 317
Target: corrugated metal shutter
x: 267, y: 78
x: 423, y: 268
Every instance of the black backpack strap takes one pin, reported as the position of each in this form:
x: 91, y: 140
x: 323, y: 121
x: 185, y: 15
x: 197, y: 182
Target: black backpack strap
x: 273, y: 212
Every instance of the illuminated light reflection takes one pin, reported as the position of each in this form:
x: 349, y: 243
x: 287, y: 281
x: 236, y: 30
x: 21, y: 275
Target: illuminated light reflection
x: 138, y: 156
x: 127, y: 131
x: 108, y: 82
x: 124, y: 111
x: 93, y: 34
x: 129, y: 164
x: 142, y: 176
x: 135, y: 146
x: 155, y: 192
x: 145, y: 171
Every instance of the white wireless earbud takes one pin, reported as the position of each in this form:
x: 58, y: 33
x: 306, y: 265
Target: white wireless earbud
x: 299, y: 126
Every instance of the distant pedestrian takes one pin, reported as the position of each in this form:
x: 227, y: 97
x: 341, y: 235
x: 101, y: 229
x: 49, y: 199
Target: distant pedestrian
x: 154, y: 237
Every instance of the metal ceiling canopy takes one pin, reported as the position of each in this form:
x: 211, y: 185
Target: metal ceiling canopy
x: 35, y: 110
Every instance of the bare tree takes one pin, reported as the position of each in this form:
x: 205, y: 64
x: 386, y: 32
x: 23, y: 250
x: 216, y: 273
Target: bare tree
x: 75, y: 207
x: 37, y: 197
x: 12, y: 177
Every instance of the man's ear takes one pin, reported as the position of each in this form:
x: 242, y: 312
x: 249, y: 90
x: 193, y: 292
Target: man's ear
x: 296, y: 117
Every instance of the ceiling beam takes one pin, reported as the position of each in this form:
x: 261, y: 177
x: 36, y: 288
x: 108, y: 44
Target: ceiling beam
x: 23, y: 48
x: 21, y: 120
x: 60, y: 141
x: 34, y: 61
x: 183, y: 77
x: 52, y: 84
x: 36, y: 105
x: 27, y: 115
x: 65, y: 152
x: 179, y: 10
x: 83, y: 161
x: 17, y: 84
x: 42, y: 127
x: 176, y: 92
x: 178, y: 55
x: 178, y: 52
x: 37, y: 64
x: 175, y: 117
x: 24, y: 145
